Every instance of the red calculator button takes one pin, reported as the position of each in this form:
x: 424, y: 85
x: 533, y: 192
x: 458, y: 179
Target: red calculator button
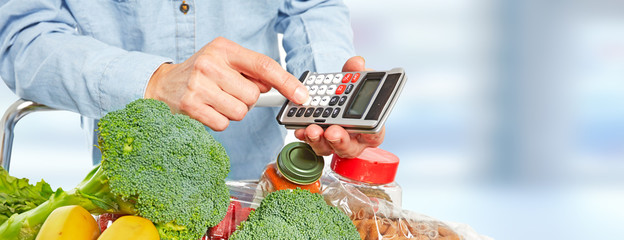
x: 346, y: 78
x: 355, y: 77
x: 340, y: 89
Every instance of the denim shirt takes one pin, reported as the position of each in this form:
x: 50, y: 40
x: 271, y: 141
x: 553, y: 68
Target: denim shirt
x: 96, y: 56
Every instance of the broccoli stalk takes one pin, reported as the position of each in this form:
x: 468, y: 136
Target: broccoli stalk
x: 161, y: 166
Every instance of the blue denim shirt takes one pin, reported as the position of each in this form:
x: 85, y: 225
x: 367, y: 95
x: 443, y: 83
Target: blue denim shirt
x: 96, y: 56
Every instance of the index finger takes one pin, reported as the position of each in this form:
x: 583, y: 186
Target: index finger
x: 267, y: 70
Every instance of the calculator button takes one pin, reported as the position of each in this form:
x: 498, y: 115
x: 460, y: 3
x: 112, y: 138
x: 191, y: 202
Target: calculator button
x: 347, y: 78
x: 307, y: 102
x: 291, y: 112
x: 325, y: 101
x: 337, y: 78
x: 331, y: 90
x: 309, y: 112
x: 342, y: 101
x: 310, y: 80
x: 327, y: 112
x: 315, y: 101
x: 336, y: 112
x: 340, y: 89
x: 317, y: 112
x: 355, y: 77
x: 328, y: 79
x: 333, y: 101
x: 300, y: 112
x: 319, y: 79
x: 349, y: 89
x: 313, y: 90
x: 322, y: 89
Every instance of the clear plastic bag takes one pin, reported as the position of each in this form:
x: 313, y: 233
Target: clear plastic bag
x: 374, y: 218
x: 377, y: 218
x: 244, y: 198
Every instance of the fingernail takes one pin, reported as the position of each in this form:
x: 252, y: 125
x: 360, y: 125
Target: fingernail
x: 313, y: 139
x: 334, y: 142
x: 301, y: 94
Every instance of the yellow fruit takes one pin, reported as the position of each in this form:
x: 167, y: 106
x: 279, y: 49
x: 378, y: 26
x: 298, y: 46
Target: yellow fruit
x: 71, y: 223
x: 130, y: 227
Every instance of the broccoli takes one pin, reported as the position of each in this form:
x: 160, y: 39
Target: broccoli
x: 161, y: 166
x: 295, y: 214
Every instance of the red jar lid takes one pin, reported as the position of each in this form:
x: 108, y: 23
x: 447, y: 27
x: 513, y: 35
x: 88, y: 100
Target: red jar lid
x: 374, y: 165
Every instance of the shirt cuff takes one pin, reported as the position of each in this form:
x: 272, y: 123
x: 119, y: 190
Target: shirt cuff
x: 125, y: 79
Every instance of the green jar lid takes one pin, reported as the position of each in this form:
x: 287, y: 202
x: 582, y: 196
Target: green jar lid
x: 298, y: 163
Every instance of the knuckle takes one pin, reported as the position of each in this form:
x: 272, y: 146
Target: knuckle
x: 264, y: 64
x: 284, y: 80
x: 348, y: 154
x: 202, y: 62
x: 324, y: 152
x: 252, y: 96
x: 239, y: 112
x: 186, y: 104
x: 220, y: 42
x: 220, y: 125
x: 193, y: 84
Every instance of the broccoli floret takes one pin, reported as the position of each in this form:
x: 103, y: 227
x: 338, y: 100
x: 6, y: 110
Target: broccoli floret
x: 162, y: 166
x: 296, y: 214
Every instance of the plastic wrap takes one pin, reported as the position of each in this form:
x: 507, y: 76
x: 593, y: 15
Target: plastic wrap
x: 244, y: 198
x: 376, y: 218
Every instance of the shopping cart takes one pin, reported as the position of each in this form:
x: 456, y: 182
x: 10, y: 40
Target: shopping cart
x: 13, y: 114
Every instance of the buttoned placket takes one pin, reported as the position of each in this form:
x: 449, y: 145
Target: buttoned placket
x: 185, y: 29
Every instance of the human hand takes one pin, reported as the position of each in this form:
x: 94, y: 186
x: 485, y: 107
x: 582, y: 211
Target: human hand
x: 336, y: 139
x: 220, y: 82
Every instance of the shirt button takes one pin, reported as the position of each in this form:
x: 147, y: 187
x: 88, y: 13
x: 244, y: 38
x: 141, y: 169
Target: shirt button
x: 184, y: 8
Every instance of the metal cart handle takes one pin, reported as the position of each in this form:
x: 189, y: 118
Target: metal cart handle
x: 13, y: 114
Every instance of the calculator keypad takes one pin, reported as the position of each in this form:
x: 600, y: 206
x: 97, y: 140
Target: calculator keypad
x: 328, y: 93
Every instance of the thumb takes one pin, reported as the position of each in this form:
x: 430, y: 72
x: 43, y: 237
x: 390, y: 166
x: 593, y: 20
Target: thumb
x: 354, y: 64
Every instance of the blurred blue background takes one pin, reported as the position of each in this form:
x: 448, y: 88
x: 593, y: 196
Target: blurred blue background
x: 512, y: 120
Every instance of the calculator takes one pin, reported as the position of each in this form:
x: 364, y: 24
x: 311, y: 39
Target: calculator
x: 360, y: 102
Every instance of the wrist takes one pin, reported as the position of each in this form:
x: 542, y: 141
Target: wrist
x: 151, y: 91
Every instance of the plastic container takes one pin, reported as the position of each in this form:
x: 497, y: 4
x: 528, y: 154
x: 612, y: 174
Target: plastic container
x: 296, y: 166
x: 372, y: 173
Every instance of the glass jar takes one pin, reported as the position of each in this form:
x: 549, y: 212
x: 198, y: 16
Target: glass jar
x: 372, y: 173
x: 296, y: 166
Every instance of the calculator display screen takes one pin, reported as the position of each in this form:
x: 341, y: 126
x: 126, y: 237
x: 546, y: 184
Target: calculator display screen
x: 367, y: 90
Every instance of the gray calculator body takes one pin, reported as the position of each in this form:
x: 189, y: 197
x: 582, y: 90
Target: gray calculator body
x: 358, y: 101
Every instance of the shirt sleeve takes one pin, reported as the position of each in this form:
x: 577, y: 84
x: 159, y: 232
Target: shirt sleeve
x: 44, y: 58
x: 317, y: 35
